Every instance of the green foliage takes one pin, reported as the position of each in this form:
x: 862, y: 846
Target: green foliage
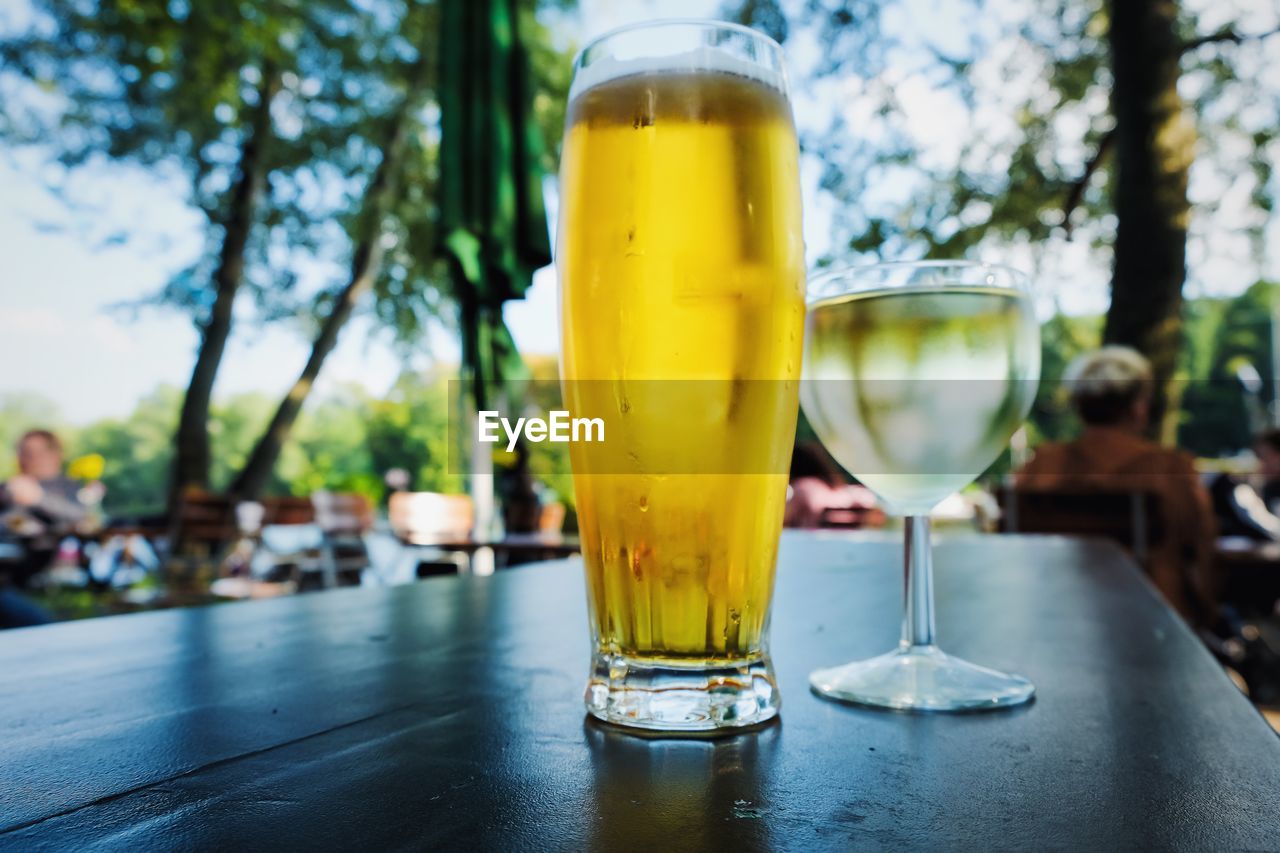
x: 1227, y: 335
x: 138, y: 451
x: 1025, y: 91
x: 1062, y: 340
x: 897, y: 197
x: 234, y: 427
x: 1222, y: 334
x: 344, y: 442
x: 552, y: 66
x: 175, y: 85
x: 331, y: 449
x: 178, y: 84
x: 1026, y: 162
x: 410, y: 430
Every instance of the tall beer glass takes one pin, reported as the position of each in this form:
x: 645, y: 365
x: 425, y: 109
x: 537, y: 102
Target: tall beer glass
x: 681, y: 270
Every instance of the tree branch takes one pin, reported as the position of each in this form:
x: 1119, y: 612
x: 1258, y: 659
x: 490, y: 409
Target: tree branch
x: 1078, y: 188
x: 366, y: 265
x: 1227, y: 34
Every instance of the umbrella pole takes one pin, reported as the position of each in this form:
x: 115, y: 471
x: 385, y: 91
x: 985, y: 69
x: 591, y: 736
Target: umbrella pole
x: 480, y: 479
x: 482, y: 499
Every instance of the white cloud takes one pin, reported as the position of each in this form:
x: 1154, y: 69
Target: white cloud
x: 32, y: 322
x: 110, y: 336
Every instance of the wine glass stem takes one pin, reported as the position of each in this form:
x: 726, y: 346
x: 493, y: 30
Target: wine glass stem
x: 917, y: 619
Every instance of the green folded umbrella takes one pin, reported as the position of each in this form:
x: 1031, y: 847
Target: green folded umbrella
x: 493, y: 220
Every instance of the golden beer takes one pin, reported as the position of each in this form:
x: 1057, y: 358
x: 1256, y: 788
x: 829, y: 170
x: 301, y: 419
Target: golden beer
x: 681, y: 269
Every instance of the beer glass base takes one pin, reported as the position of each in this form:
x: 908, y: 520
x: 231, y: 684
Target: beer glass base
x: 921, y: 678
x: 646, y: 694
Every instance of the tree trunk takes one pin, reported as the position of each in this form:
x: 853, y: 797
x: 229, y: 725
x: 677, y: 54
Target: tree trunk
x: 191, y: 443
x: 1154, y: 148
x: 366, y: 264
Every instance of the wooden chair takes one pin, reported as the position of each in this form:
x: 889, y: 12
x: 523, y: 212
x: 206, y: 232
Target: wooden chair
x: 202, y: 532
x: 344, y: 519
x: 288, y: 511
x: 427, y: 523
x: 843, y: 518
x: 276, y: 560
x: 1130, y: 518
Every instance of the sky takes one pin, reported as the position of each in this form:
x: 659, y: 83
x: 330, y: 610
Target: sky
x: 63, y: 334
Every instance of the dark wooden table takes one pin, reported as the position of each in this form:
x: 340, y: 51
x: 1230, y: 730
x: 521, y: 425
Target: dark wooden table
x: 447, y: 714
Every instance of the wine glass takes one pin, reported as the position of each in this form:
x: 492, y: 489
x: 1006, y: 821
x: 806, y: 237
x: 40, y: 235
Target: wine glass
x: 915, y: 377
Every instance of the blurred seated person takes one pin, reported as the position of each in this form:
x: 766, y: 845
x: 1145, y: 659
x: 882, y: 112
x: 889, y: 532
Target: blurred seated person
x: 1111, y: 392
x: 521, y: 505
x: 123, y: 560
x: 39, y: 506
x: 1240, y: 510
x: 1267, y: 448
x: 818, y: 491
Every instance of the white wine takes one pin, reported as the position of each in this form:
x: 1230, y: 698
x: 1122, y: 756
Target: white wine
x: 917, y: 390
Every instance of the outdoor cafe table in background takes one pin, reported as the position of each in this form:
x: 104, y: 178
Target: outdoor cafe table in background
x: 1248, y: 574
x: 542, y: 545
x: 448, y: 713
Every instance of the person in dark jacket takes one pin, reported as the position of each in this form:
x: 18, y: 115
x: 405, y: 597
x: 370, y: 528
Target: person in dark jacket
x: 1110, y: 391
x: 1267, y: 447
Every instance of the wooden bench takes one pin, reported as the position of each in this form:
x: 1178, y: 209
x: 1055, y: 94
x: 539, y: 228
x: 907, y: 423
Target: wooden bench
x: 1129, y: 518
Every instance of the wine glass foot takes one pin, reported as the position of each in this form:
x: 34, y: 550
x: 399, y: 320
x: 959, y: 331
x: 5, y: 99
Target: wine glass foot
x: 921, y: 678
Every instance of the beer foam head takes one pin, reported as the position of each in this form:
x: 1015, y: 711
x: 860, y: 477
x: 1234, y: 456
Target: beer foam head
x: 701, y: 59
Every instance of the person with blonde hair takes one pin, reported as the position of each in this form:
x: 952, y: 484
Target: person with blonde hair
x: 1110, y: 389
